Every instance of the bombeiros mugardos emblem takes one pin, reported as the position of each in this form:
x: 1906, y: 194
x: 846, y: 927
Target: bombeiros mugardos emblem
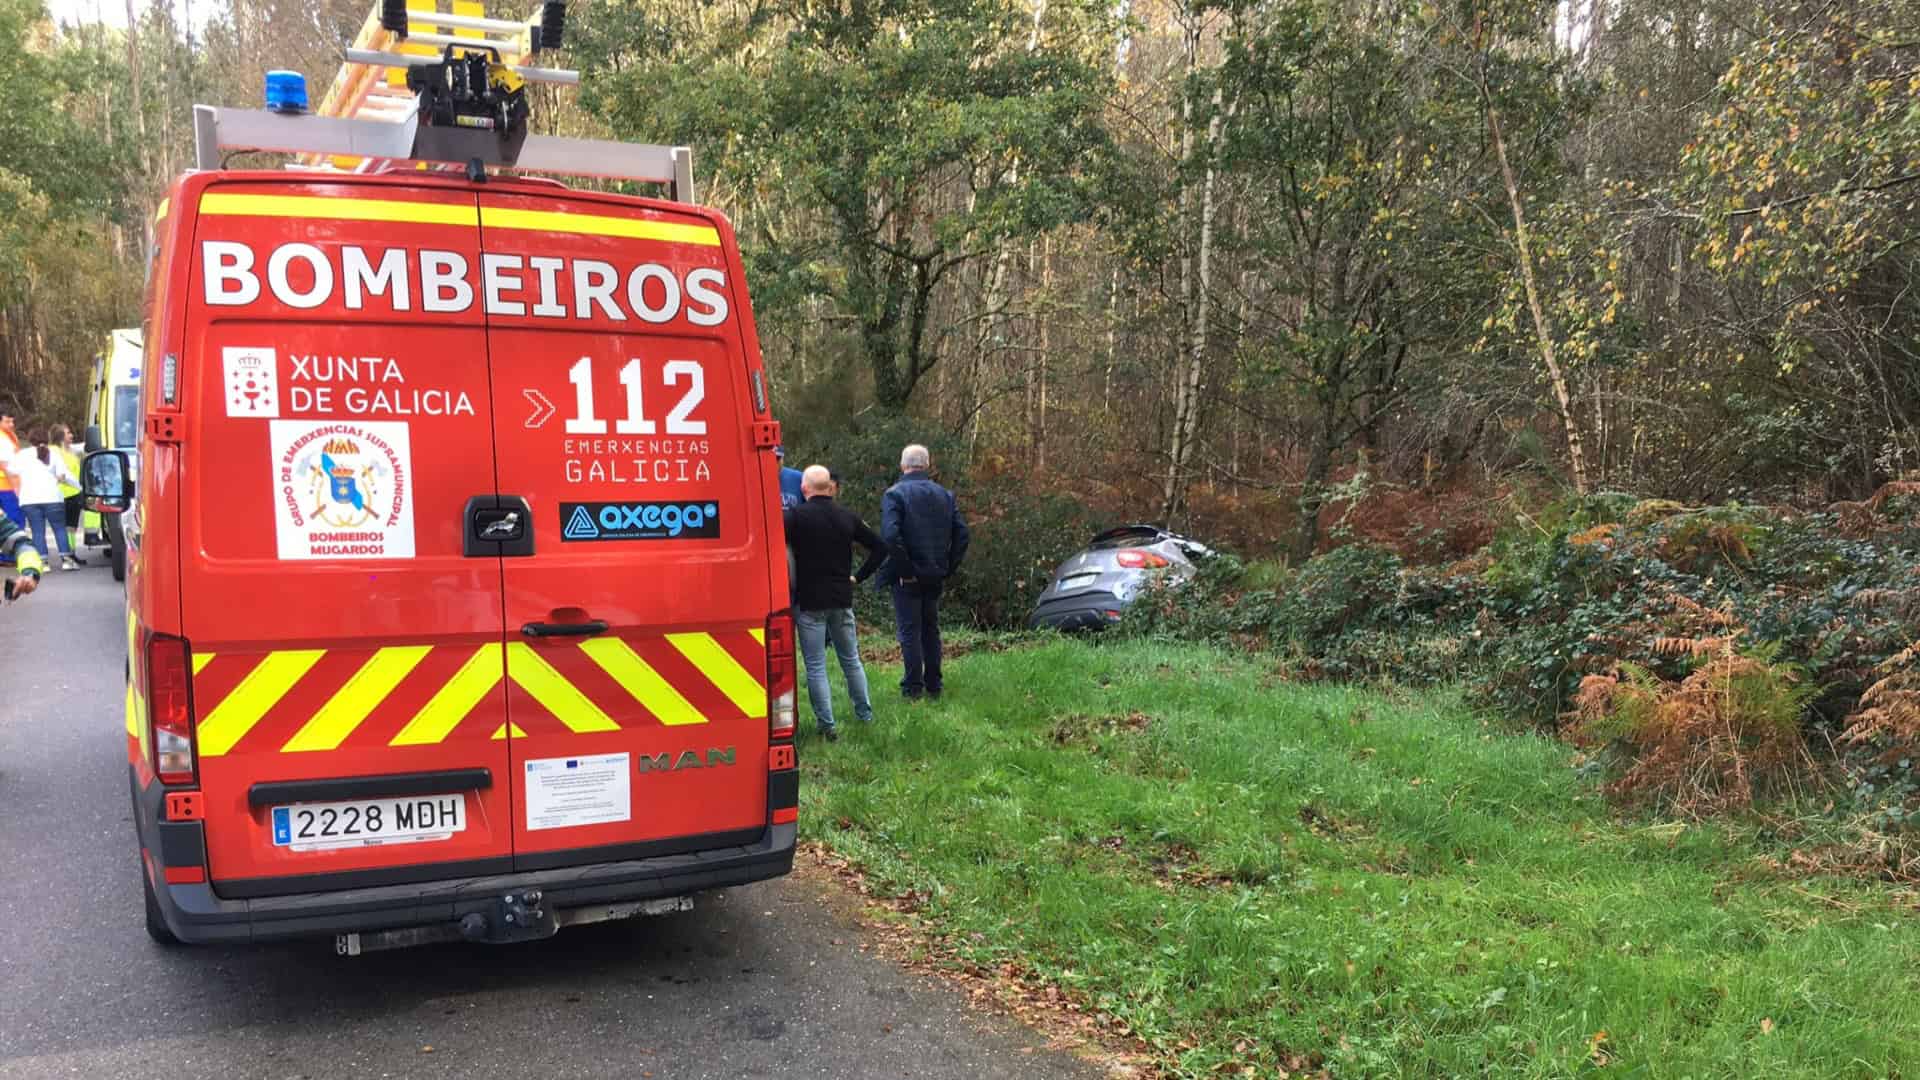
x: 346, y: 483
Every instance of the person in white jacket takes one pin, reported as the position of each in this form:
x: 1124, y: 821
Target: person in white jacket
x: 37, y: 473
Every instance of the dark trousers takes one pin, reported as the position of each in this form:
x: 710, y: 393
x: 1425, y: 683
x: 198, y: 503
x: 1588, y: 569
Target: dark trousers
x: 916, y: 619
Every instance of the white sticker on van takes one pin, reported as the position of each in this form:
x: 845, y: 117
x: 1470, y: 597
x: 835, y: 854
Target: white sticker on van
x: 253, y: 378
x: 566, y: 792
x: 342, y: 489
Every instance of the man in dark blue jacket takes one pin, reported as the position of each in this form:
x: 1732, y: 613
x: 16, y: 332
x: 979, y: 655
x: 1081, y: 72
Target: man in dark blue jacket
x: 790, y: 493
x: 926, y: 538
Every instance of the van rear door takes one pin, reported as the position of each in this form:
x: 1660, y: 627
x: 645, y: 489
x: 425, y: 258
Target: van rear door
x: 348, y: 673
x: 636, y: 608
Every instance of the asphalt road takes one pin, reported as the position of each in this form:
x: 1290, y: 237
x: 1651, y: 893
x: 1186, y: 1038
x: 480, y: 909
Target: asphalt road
x: 767, y: 980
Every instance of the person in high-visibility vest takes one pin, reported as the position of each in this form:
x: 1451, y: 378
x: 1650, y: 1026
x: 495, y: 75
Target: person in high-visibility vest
x: 17, y: 546
x: 9, y: 446
x: 61, y: 441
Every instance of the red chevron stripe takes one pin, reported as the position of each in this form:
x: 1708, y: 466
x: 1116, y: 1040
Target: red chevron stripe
x: 215, y: 681
x: 532, y: 717
x: 300, y: 702
x: 750, y: 653
x: 601, y: 689
x: 694, y: 686
x: 414, y: 691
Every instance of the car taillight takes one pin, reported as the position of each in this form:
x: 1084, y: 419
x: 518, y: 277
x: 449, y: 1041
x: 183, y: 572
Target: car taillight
x: 170, y: 706
x: 1135, y: 559
x: 780, y: 676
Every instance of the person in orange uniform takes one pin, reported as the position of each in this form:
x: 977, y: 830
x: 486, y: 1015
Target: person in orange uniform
x: 9, y: 446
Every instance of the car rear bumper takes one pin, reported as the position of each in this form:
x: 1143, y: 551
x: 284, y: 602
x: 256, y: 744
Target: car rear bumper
x: 1082, y: 611
x: 195, y: 913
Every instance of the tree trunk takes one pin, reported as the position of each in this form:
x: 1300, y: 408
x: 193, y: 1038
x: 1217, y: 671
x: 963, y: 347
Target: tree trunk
x: 1113, y: 339
x: 1576, y: 453
x: 139, y: 107
x: 1186, y: 409
x: 1313, y: 491
x: 1046, y: 346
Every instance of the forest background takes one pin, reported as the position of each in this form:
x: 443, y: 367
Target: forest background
x: 1225, y: 264
x: 1567, y: 346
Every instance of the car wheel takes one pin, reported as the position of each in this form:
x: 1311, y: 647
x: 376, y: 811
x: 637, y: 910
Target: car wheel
x: 119, y: 562
x: 156, y: 921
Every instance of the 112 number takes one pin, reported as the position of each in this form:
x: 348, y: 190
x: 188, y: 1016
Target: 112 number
x: 636, y: 421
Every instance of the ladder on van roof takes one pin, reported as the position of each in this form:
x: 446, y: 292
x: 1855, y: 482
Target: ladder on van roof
x: 434, y: 85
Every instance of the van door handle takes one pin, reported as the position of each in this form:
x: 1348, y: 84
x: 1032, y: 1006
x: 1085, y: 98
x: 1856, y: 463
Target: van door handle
x: 565, y: 629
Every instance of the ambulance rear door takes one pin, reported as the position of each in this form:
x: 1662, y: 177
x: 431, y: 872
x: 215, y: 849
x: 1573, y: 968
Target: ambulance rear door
x: 348, y: 671
x: 636, y: 607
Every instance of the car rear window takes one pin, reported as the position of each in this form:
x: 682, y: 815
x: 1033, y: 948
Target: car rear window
x: 1129, y: 538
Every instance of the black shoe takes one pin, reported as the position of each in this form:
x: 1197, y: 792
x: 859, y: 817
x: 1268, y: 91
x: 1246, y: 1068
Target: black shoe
x: 831, y: 735
x: 934, y: 694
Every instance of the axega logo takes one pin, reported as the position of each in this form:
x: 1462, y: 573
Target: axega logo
x: 639, y: 521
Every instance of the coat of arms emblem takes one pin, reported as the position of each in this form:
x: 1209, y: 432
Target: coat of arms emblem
x: 346, y: 483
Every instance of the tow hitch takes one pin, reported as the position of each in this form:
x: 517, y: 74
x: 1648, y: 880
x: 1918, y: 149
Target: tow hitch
x: 510, y: 917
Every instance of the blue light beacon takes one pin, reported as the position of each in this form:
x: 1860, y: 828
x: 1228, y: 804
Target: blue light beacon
x: 287, y: 92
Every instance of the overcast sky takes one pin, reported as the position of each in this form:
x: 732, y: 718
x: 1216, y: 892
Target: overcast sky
x: 114, y: 12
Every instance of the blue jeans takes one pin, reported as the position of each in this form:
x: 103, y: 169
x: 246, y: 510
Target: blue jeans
x: 916, y: 618
x: 41, y: 515
x: 818, y: 629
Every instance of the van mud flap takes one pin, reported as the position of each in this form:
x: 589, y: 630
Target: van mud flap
x: 514, y: 917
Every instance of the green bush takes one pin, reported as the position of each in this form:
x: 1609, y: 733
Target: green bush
x: 1018, y: 536
x: 1579, y: 589
x: 1018, y: 539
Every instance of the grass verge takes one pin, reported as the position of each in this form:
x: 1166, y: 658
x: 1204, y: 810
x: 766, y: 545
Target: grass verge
x: 1373, y: 883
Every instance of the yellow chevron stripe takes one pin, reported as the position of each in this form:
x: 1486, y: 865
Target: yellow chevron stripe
x: 496, y: 217
x: 551, y: 689
x: 452, y: 702
x: 133, y: 672
x: 508, y: 731
x: 718, y: 665
x: 265, y: 685
x: 200, y: 660
x: 639, y: 678
x: 336, y: 208
x: 354, y: 701
x: 759, y: 635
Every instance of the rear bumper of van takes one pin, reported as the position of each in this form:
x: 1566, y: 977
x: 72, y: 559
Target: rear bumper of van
x: 196, y: 913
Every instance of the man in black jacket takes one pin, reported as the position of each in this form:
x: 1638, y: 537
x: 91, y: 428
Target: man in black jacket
x: 821, y: 534
x: 926, y: 538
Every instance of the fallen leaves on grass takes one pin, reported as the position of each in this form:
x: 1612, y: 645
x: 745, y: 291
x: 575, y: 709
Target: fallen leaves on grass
x: 1076, y: 728
x: 949, y: 649
x: 1066, y: 1018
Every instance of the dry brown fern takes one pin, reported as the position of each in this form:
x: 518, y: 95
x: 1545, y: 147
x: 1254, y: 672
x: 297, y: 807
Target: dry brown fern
x: 1865, y: 516
x: 1889, y: 710
x: 1706, y: 744
x: 1593, y: 702
x: 1901, y: 602
x: 1695, y: 646
x: 1599, y: 534
x: 1720, y: 616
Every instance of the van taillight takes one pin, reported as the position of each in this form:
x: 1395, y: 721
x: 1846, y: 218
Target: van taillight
x: 780, y: 676
x: 170, y: 707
